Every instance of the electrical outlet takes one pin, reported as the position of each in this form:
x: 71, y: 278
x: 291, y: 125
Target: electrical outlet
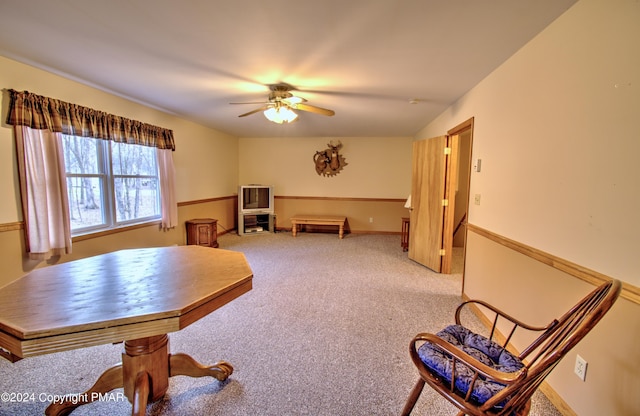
x: 581, y: 368
x: 477, y: 198
x: 370, y: 219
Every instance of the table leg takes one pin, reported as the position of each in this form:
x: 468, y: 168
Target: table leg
x: 144, y: 375
x: 109, y: 380
x: 140, y: 394
x: 341, y: 230
x: 185, y: 365
x: 294, y: 228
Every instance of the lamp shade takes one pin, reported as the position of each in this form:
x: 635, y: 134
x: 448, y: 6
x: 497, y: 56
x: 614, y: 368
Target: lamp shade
x: 280, y: 115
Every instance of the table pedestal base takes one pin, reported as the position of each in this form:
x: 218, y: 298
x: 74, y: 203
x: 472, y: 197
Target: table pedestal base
x: 143, y: 374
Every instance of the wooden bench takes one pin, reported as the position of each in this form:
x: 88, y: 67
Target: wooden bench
x: 299, y: 220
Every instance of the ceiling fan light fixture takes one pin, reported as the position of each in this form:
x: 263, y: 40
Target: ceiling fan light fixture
x: 295, y: 100
x: 281, y: 105
x: 280, y: 115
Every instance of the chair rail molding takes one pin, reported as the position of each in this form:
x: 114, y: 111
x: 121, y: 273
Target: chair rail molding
x: 629, y: 291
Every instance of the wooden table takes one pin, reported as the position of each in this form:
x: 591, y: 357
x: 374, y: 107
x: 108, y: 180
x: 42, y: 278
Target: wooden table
x: 299, y: 220
x: 136, y: 296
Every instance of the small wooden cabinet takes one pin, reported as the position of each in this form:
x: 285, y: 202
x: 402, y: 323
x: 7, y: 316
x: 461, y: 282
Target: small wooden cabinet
x: 202, y: 232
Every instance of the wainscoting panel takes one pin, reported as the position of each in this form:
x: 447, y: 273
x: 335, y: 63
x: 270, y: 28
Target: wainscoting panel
x: 364, y: 215
x: 536, y: 287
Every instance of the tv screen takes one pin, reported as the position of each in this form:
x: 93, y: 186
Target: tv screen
x: 256, y: 197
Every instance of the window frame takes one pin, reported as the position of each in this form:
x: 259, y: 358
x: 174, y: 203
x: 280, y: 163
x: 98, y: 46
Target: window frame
x: 108, y: 195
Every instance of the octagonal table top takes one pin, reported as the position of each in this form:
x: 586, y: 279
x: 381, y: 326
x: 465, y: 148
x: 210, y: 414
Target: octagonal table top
x: 113, y: 297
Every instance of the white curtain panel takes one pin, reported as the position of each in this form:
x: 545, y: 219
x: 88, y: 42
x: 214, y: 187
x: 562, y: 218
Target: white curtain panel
x: 44, y: 192
x: 169, y: 204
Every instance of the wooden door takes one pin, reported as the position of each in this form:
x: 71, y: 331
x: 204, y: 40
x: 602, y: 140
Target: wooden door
x: 432, y: 204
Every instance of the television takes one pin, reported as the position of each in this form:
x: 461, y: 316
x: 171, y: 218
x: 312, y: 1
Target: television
x: 255, y: 199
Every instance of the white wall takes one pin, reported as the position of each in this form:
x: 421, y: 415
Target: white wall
x: 556, y: 127
x: 377, y: 167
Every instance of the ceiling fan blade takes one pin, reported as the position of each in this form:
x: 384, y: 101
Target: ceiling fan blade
x: 252, y: 102
x: 314, y: 109
x: 294, y: 99
x: 257, y: 110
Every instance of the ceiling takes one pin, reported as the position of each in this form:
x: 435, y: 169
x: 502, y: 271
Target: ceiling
x: 386, y: 67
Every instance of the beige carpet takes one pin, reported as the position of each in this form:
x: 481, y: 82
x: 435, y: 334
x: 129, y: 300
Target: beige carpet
x: 325, y: 331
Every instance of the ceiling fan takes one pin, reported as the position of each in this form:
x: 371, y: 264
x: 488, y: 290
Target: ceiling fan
x: 281, y: 103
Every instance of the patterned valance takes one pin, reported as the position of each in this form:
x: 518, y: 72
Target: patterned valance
x: 38, y: 112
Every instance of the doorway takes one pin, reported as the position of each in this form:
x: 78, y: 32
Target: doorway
x: 461, y: 211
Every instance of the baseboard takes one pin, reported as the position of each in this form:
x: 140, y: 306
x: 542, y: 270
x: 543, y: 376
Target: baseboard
x: 556, y: 400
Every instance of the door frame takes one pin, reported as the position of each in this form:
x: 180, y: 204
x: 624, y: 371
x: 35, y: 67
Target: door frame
x: 462, y: 128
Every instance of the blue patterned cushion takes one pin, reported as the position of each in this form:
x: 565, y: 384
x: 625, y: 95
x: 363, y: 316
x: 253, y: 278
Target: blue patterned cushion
x: 480, y: 348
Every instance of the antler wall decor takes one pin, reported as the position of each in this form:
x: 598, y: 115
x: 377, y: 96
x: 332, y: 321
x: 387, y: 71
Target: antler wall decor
x: 329, y: 162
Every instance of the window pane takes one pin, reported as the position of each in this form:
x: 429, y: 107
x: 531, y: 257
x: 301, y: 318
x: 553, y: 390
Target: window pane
x: 81, y: 154
x: 133, y: 159
x: 85, y: 202
x: 136, y: 198
x: 110, y: 184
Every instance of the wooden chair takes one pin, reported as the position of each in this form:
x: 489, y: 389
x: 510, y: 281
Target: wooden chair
x: 481, y: 377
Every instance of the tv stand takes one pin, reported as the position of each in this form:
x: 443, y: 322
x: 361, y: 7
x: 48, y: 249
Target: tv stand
x: 255, y: 223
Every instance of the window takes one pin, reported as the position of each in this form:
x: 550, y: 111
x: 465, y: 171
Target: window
x: 110, y: 184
